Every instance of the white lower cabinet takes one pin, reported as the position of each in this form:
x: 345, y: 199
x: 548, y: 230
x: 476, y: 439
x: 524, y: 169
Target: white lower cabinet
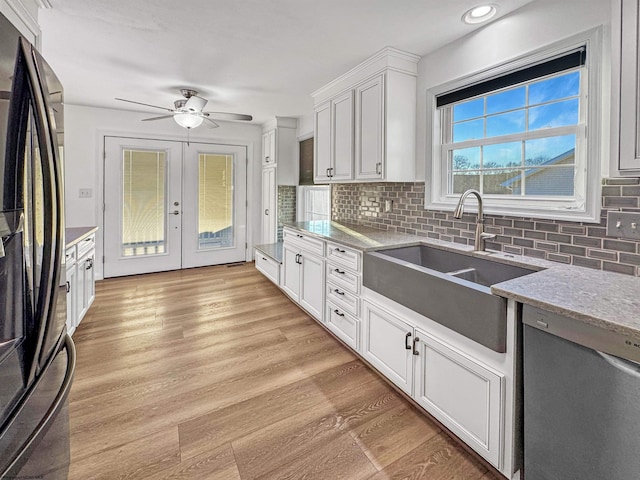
x: 461, y: 392
x: 81, y: 280
x: 387, y: 343
x: 466, y: 396
x: 303, y: 279
x: 268, y: 266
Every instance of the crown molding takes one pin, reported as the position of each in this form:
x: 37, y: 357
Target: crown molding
x: 386, y: 59
x: 44, y: 3
x: 24, y: 15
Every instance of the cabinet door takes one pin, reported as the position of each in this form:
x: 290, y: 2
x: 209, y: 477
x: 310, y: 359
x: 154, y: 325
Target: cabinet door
x: 269, y: 214
x: 370, y: 130
x: 81, y: 283
x: 322, y: 143
x: 269, y: 148
x: 312, y: 293
x: 291, y: 272
x: 384, y: 344
x: 90, y: 281
x: 463, y: 394
x: 342, y: 123
x: 72, y: 298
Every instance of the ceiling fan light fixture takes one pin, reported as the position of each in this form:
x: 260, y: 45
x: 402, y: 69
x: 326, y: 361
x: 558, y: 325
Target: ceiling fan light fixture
x: 188, y: 120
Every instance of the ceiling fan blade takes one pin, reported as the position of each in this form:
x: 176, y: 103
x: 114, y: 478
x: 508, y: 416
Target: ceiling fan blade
x: 210, y: 123
x: 145, y: 104
x: 156, y: 118
x: 195, y: 103
x: 228, y: 116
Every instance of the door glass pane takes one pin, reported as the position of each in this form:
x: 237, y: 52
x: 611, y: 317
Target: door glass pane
x: 143, y: 204
x: 215, y: 201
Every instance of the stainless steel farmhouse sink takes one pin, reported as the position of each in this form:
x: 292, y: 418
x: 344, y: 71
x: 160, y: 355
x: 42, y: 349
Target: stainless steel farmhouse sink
x: 450, y: 288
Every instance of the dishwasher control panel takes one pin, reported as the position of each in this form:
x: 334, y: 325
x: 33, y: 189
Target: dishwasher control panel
x: 582, y: 333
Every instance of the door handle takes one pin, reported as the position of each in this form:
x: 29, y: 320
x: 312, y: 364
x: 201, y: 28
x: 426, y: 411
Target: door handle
x: 406, y: 341
x: 379, y: 168
x: 266, y: 211
x: 175, y: 212
x: 415, y: 350
x: 89, y: 263
x: 68, y: 287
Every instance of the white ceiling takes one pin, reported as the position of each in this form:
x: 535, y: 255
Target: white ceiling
x: 259, y: 57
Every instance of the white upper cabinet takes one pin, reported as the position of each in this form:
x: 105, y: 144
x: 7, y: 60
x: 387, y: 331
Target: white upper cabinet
x: 342, y: 123
x: 625, y: 62
x: 366, y: 121
x: 370, y: 129
x: 269, y: 148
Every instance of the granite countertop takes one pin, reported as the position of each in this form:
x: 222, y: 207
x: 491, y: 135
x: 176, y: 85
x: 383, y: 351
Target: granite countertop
x: 273, y: 250
x: 73, y: 235
x: 603, y: 299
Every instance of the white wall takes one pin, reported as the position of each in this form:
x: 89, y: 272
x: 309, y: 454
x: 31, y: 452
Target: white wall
x: 535, y: 25
x: 306, y: 125
x: 84, y: 131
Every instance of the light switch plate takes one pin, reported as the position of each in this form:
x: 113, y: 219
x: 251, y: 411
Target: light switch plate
x: 85, y: 193
x: 623, y: 225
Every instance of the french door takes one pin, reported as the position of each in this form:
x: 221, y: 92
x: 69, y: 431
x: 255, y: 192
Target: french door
x: 169, y: 205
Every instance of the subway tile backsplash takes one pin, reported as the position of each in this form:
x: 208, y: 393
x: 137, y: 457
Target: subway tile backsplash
x: 583, y: 244
x: 286, y: 207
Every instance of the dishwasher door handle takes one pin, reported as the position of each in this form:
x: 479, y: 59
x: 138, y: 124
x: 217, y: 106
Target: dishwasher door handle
x: 627, y: 366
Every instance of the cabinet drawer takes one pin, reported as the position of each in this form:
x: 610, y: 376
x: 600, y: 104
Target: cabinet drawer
x: 346, y: 327
x: 306, y: 242
x: 70, y: 256
x: 338, y: 275
x: 345, y: 300
x: 343, y: 256
x: 268, y: 266
x: 86, y: 245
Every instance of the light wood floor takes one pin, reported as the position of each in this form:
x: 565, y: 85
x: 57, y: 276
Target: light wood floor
x: 212, y: 373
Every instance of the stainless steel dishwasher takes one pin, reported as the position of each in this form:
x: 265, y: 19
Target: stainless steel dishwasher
x: 581, y: 400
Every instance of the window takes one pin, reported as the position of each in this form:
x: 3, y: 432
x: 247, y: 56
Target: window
x: 314, y: 203
x: 519, y: 135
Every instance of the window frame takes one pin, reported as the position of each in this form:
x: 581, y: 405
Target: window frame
x: 585, y: 205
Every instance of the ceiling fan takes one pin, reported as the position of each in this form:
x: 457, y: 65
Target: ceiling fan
x: 187, y: 111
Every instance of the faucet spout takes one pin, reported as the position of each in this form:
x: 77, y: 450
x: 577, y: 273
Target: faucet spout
x: 481, y: 237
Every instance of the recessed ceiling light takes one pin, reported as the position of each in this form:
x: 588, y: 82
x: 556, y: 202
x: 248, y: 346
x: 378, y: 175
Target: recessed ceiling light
x: 479, y: 14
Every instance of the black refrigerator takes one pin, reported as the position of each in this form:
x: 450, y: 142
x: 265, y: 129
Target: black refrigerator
x: 37, y: 357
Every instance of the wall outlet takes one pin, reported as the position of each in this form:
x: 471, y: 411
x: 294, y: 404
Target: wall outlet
x: 85, y: 193
x: 388, y: 206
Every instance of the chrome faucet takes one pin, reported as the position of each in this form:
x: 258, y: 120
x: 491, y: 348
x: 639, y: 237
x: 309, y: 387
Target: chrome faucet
x: 481, y: 236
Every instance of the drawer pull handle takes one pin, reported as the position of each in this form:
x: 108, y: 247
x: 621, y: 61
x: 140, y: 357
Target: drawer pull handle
x: 337, y: 312
x: 299, y: 236
x: 337, y: 270
x: 339, y: 250
x: 264, y: 259
x: 68, y: 287
x: 415, y: 350
x: 338, y: 291
x: 406, y: 341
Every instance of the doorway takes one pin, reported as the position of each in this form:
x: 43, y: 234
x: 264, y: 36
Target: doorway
x: 172, y: 205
